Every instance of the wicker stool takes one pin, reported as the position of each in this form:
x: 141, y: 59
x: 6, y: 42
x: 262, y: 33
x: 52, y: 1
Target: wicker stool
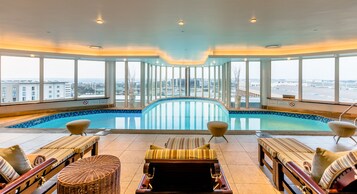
x: 95, y: 175
x: 78, y: 127
x: 217, y: 129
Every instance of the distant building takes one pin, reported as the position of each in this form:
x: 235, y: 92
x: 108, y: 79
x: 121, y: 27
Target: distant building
x: 27, y: 90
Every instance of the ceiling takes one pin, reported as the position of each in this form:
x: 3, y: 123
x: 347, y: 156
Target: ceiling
x: 149, y: 27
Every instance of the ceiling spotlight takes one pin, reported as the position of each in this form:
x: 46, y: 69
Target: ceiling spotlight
x: 181, y: 23
x: 273, y: 46
x: 95, y: 47
x: 124, y: 59
x: 289, y: 58
x: 32, y: 55
x: 99, y: 21
x: 245, y: 59
x: 253, y: 20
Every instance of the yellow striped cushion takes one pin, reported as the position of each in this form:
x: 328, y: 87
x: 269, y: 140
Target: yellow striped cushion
x: 7, y: 172
x: 60, y: 155
x: 338, y: 166
x: 78, y: 143
x: 189, y: 154
x: 184, y: 142
x: 280, y: 145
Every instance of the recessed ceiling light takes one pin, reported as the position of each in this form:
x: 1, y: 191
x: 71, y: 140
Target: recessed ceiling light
x: 95, y: 47
x: 124, y: 59
x: 245, y: 59
x: 253, y: 20
x: 99, y: 21
x: 32, y: 55
x: 272, y: 46
x: 289, y: 58
x: 181, y: 23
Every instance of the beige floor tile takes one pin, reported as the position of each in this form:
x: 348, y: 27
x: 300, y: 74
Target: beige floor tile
x: 231, y: 147
x: 128, y: 171
x: 250, y: 147
x: 136, y: 157
x: 132, y: 187
x: 115, y: 145
x: 247, y: 174
x: 145, y: 138
x: 123, y: 186
x: 116, y: 153
x: 237, y: 158
x: 139, y: 146
x: 139, y: 173
x: 247, y: 138
x: 256, y: 189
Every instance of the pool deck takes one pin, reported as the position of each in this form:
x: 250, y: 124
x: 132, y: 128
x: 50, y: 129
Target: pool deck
x: 238, y: 158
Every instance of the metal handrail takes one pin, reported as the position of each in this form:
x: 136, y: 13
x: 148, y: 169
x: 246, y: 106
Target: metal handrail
x: 344, y: 112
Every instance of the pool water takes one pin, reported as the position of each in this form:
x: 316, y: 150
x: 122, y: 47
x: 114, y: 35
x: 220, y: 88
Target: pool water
x: 188, y: 114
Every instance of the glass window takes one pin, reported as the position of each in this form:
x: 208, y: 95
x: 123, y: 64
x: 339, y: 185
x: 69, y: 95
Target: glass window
x: 206, y: 82
x: 134, y: 84
x: 183, y: 81
x: 19, y: 72
x: 212, y: 82
x: 158, y: 82
x: 170, y: 82
x: 91, y: 79
x: 318, y: 77
x: 192, y: 81
x: 163, y: 82
x: 120, y: 83
x: 176, y: 81
x: 254, y: 84
x: 238, y: 86
x: 348, y: 79
x: 284, y: 78
x: 199, y: 82
x: 153, y: 81
x: 59, y: 73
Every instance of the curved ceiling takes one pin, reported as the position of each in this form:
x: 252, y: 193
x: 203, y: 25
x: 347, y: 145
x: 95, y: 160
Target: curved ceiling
x: 149, y: 27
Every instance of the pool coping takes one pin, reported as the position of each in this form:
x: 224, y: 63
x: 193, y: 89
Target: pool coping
x: 158, y: 131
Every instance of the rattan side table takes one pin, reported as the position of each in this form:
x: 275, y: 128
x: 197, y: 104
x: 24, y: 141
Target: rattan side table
x: 92, y: 175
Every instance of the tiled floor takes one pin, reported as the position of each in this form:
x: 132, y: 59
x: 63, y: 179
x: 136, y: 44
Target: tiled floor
x: 238, y: 157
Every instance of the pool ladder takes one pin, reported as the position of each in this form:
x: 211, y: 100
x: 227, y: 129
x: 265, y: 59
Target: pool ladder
x: 344, y: 112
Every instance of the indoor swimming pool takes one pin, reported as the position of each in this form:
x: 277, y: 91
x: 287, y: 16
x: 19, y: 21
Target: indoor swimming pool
x: 184, y: 114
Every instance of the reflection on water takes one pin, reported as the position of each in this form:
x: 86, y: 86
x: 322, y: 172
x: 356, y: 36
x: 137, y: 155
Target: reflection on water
x: 189, y: 114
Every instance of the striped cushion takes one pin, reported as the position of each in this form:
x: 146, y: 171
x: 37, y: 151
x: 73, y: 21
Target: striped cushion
x: 184, y: 143
x: 7, y: 172
x: 78, y: 143
x: 189, y: 154
x: 60, y: 155
x: 297, y: 157
x: 336, y: 168
x: 280, y: 145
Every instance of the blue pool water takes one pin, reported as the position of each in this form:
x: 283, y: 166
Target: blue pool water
x: 184, y: 114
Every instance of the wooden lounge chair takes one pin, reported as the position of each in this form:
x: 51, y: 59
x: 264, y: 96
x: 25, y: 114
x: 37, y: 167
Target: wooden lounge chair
x: 182, y: 171
x: 58, y: 154
x: 287, y: 156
